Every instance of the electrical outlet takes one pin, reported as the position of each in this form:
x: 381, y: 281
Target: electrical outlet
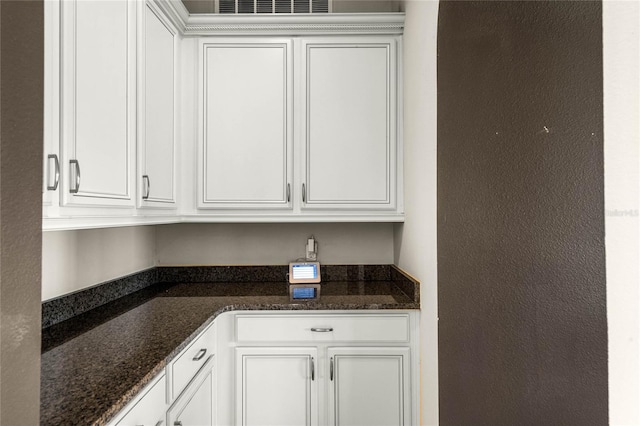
x: 311, y: 249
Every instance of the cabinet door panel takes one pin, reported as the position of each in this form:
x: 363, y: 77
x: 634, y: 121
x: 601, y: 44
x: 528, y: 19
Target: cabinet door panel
x: 246, y: 125
x: 275, y: 387
x: 350, y: 136
x: 369, y: 387
x: 98, y: 52
x: 198, y: 411
x: 159, y: 84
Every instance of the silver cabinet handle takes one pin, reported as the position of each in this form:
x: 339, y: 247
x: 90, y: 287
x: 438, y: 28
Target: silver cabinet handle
x: 313, y: 369
x: 304, y: 193
x: 321, y: 330
x: 331, y: 369
x: 288, y: 192
x: 200, y: 354
x: 56, y: 179
x: 145, y: 178
x: 177, y: 423
x: 77, y: 167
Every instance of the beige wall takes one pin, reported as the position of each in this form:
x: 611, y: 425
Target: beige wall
x: 622, y: 180
x: 415, y: 240
x: 73, y: 260
x: 273, y: 244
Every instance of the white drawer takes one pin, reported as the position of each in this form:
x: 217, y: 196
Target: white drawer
x: 323, y: 328
x: 190, y: 361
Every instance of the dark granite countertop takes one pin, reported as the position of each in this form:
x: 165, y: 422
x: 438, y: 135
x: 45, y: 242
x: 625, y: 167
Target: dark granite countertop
x: 94, y: 363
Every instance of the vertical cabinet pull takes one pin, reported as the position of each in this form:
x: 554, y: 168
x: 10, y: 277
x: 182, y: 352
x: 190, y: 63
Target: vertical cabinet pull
x: 304, y: 193
x: 56, y: 178
x: 76, y: 165
x: 331, y: 369
x: 146, y: 184
x: 313, y: 369
x: 288, y: 192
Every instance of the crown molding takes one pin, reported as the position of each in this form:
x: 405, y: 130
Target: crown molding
x: 194, y: 25
x: 175, y: 11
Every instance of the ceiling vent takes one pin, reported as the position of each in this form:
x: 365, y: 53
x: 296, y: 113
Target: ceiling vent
x: 273, y: 6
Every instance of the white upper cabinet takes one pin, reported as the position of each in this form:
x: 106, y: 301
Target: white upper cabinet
x: 156, y: 116
x: 157, y: 113
x: 98, y: 101
x: 307, y: 125
x: 350, y: 142
x: 51, y: 127
x: 245, y: 155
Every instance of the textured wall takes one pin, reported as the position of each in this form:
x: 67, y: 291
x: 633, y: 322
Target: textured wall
x: 522, y: 307
x: 21, y: 97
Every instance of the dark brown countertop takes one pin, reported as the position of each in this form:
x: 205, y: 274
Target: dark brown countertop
x: 95, y: 363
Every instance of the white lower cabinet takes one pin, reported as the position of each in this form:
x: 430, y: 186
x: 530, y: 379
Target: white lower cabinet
x: 275, y: 368
x: 369, y: 386
x: 195, y: 405
x: 343, y: 368
x: 276, y: 386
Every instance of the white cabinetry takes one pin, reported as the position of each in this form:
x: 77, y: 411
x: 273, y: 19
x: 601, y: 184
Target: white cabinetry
x: 369, y: 386
x: 246, y: 124
x: 331, y: 152
x: 157, y: 109
x: 98, y: 47
x: 51, y: 128
x: 342, y: 368
x: 276, y: 386
x: 350, y: 144
x: 195, y: 405
x: 148, y: 409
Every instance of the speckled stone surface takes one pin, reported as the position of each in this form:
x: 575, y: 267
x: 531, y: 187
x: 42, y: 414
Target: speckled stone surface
x: 68, y: 306
x: 95, y: 363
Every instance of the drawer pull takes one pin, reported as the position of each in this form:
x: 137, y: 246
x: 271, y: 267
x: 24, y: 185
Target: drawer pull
x: 321, y: 330
x: 200, y: 354
x: 177, y: 423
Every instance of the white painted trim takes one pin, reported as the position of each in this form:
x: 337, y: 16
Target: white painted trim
x: 94, y: 222
x: 204, y: 24
x: 175, y: 11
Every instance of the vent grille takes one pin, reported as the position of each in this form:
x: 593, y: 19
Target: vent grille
x: 273, y: 6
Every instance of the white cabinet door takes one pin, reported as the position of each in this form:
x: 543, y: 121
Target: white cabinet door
x: 98, y: 101
x: 276, y: 386
x: 195, y: 406
x: 245, y: 125
x: 51, y: 123
x: 158, y: 42
x: 148, y: 409
x: 350, y: 123
x: 369, y: 386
